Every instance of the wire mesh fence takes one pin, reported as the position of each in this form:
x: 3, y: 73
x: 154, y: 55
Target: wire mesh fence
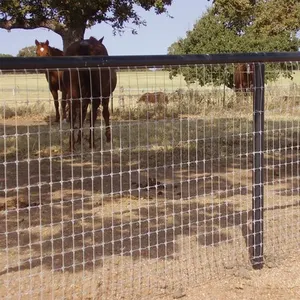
x: 165, y: 205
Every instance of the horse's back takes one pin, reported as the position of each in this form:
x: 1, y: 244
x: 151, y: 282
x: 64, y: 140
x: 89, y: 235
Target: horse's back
x: 154, y: 98
x: 90, y: 78
x: 243, y: 76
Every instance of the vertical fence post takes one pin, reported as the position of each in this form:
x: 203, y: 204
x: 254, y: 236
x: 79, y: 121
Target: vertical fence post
x: 258, y: 166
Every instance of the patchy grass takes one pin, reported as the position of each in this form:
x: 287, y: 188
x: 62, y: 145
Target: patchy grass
x: 28, y: 95
x: 206, y: 119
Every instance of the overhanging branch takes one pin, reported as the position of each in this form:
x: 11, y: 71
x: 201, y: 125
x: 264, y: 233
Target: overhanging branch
x: 31, y: 24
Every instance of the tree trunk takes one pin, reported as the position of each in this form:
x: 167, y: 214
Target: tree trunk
x: 71, y: 35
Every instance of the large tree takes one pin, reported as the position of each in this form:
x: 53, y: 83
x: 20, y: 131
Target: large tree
x: 29, y: 51
x: 266, y: 16
x: 70, y: 18
x: 212, y: 35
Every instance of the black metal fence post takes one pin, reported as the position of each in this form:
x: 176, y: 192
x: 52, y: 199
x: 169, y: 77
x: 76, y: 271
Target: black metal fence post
x: 258, y: 166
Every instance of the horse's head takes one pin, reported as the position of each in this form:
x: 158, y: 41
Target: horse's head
x: 101, y: 40
x: 96, y: 46
x: 42, y: 49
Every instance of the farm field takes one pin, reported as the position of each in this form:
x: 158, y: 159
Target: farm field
x: 161, y: 209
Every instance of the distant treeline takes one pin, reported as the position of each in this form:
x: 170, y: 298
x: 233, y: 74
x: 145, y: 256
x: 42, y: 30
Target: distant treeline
x: 5, y: 55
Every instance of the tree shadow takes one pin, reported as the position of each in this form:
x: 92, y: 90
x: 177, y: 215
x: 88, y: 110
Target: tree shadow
x: 71, y: 212
x: 148, y: 232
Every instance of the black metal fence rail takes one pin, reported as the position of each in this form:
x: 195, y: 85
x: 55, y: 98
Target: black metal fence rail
x: 30, y: 63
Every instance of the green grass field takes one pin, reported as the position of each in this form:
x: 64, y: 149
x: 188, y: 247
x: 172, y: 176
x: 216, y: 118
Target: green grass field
x: 26, y: 96
x: 26, y: 93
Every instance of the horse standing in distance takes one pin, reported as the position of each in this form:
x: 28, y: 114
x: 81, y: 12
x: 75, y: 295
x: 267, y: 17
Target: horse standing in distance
x: 243, y: 78
x: 88, y: 86
x: 54, y: 78
x: 155, y: 98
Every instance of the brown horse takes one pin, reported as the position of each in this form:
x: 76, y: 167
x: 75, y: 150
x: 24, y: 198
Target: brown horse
x: 243, y: 77
x: 155, y: 98
x: 88, y: 86
x: 54, y: 78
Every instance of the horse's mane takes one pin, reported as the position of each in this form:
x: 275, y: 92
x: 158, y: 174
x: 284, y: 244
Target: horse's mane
x: 93, y: 40
x: 56, y: 51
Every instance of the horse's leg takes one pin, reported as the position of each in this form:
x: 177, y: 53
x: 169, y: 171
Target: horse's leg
x: 82, y: 115
x: 95, y: 103
x: 72, y: 117
x: 55, y: 98
x: 105, y: 114
x: 64, y: 105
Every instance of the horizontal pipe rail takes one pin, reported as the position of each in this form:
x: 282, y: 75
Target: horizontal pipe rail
x: 36, y: 63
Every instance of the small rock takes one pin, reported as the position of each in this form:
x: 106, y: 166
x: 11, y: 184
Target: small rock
x: 160, y: 193
x: 271, y: 264
x: 152, y: 181
x: 239, y: 287
x: 21, y: 202
x: 229, y: 266
x: 243, y: 273
x: 164, y: 286
x: 179, y: 293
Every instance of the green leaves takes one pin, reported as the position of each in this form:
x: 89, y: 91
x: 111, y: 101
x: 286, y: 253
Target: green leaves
x: 29, y: 51
x: 266, y: 16
x: 60, y: 15
x: 219, y: 30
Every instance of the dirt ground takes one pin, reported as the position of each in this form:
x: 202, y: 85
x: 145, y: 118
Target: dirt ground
x: 276, y: 281
x: 146, y: 224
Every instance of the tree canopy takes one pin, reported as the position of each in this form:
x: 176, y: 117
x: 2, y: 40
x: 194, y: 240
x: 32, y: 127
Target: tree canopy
x: 5, y: 55
x: 213, y: 34
x: 265, y: 16
x: 70, y: 18
x: 29, y: 51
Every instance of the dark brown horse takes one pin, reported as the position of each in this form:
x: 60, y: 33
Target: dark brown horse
x: 243, y: 78
x: 54, y: 78
x: 88, y: 86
